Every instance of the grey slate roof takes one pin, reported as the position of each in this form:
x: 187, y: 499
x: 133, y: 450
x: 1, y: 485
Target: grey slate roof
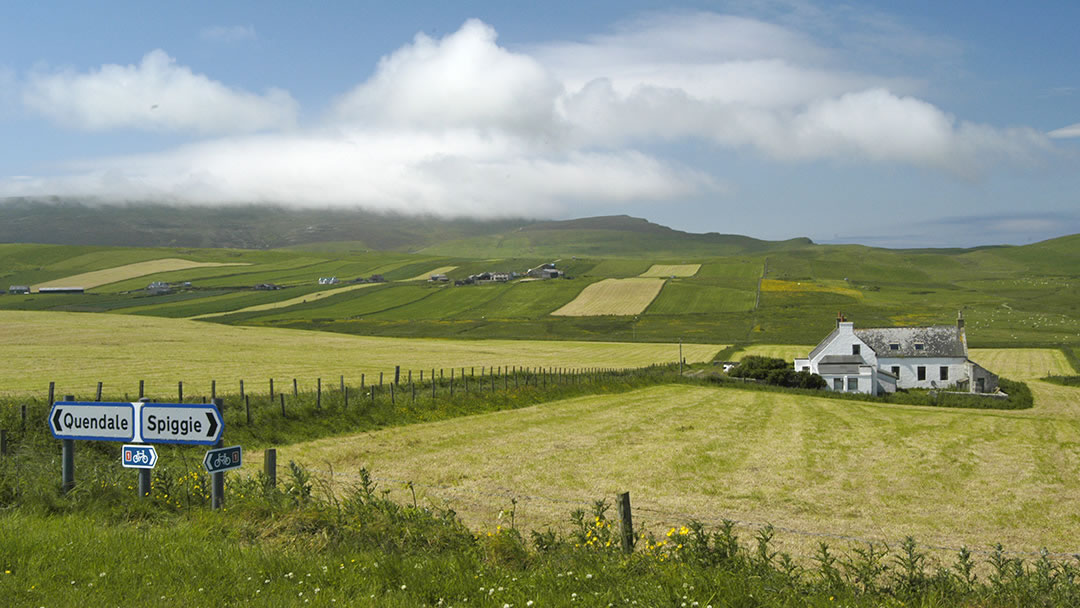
x: 937, y: 341
x: 840, y: 364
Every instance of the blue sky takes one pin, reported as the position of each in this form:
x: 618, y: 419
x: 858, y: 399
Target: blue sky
x: 894, y: 124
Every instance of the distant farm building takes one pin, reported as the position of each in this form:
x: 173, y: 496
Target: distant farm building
x: 545, y: 271
x: 61, y: 290
x: 377, y: 278
x: 19, y: 289
x: 328, y: 281
x: 158, y: 288
x: 439, y: 278
x: 882, y: 360
x: 267, y: 287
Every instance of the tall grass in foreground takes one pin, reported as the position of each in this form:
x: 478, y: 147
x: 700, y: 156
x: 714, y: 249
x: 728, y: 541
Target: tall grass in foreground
x: 285, y: 545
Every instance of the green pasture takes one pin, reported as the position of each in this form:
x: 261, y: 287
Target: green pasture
x: 681, y: 296
x: 78, y: 350
x: 946, y: 476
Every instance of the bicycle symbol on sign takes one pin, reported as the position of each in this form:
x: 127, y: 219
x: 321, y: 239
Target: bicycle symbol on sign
x: 139, y: 457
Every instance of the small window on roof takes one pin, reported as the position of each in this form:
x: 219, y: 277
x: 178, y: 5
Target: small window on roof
x: 855, y: 348
x: 894, y: 346
x: 918, y: 346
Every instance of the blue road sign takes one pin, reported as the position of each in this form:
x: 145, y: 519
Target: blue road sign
x: 92, y: 420
x: 139, y: 456
x: 186, y: 423
x: 223, y: 459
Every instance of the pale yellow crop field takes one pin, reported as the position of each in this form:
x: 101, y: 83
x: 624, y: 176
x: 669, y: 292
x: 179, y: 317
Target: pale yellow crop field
x: 787, y: 352
x: 613, y: 297
x: 311, y: 297
x: 76, y: 350
x: 664, y: 271
x: 97, y: 278
x: 423, y: 276
x: 946, y: 476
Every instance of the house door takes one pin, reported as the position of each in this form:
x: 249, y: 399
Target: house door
x: 980, y: 385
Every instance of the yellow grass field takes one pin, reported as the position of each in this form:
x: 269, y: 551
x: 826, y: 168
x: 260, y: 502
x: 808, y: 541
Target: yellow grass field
x: 837, y: 287
x: 613, y: 297
x: 427, y: 275
x: 311, y: 297
x: 76, y: 350
x: 787, y: 352
x: 946, y: 476
x: 97, y: 278
x: 664, y: 271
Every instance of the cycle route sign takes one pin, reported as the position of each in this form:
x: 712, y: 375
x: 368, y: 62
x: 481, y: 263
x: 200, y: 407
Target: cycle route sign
x: 177, y: 423
x: 223, y: 459
x: 138, y: 456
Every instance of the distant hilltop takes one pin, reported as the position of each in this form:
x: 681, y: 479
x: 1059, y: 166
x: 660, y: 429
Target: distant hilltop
x: 70, y: 222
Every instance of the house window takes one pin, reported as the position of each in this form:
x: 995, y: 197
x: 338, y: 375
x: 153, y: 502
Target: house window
x: 918, y: 346
x: 944, y: 372
x: 806, y: 368
x: 922, y: 372
x: 838, y: 384
x: 896, y: 371
x: 855, y: 348
x: 894, y: 346
x: 853, y: 384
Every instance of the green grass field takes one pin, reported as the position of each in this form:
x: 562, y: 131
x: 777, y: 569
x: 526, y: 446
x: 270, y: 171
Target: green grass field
x: 78, y: 350
x: 946, y: 476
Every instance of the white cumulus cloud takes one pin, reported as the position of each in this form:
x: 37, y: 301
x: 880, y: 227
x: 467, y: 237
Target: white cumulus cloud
x: 1064, y: 132
x: 157, y: 94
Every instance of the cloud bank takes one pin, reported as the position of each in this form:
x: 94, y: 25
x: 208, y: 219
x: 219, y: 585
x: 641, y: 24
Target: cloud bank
x: 462, y: 125
x: 155, y: 95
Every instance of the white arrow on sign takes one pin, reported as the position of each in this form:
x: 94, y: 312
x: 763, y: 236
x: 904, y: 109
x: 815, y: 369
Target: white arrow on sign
x: 186, y: 423
x: 92, y: 420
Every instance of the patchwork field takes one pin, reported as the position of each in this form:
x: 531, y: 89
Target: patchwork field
x: 664, y: 271
x: 613, y: 297
x: 947, y: 476
x: 423, y: 276
x: 311, y: 297
x: 77, y: 350
x: 97, y: 278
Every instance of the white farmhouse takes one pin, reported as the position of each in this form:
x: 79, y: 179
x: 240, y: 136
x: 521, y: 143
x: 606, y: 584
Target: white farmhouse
x: 881, y: 360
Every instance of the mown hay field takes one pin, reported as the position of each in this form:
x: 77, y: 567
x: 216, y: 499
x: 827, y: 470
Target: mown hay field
x: 97, y: 278
x: 311, y: 297
x: 76, y: 350
x: 423, y: 276
x: 948, y: 477
x: 613, y: 297
x: 664, y: 271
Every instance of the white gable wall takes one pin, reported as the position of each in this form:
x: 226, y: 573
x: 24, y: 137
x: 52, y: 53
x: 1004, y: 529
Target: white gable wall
x: 841, y: 345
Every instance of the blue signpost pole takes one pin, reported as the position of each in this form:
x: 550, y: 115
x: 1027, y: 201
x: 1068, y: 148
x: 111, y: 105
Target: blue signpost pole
x: 217, y: 485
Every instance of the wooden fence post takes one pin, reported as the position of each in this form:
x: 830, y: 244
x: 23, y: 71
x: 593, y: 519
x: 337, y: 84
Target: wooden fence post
x: 24, y: 416
x: 213, y: 389
x: 52, y: 389
x: 380, y: 379
x: 626, y: 524
x: 282, y: 395
x: 241, y: 388
x: 397, y: 374
x: 318, y: 393
x: 180, y: 392
x: 270, y: 466
x: 271, y: 389
x: 247, y: 408
x: 141, y: 392
x: 343, y: 383
x: 3, y: 442
x: 295, y: 391
x: 392, y: 402
x: 98, y: 392
x: 451, y: 382
x: 346, y: 393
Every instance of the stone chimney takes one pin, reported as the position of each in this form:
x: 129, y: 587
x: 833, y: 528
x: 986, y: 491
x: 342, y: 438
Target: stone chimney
x: 960, y: 320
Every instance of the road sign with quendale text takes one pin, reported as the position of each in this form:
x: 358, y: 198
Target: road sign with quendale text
x: 91, y: 420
